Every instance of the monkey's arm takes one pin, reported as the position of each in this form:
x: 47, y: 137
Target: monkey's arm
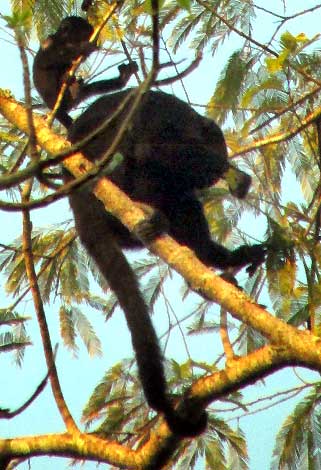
x: 105, y: 86
x: 189, y: 227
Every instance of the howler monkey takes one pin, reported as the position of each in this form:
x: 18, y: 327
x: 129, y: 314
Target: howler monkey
x: 51, y: 64
x: 169, y: 152
x: 54, y: 59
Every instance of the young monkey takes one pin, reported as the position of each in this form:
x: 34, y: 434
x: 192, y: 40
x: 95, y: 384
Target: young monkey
x: 54, y: 59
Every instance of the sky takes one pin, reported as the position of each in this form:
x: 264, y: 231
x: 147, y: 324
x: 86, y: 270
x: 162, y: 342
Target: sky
x: 17, y: 384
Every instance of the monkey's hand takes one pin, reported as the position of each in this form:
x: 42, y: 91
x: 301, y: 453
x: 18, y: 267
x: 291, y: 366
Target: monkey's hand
x: 127, y: 70
x: 155, y: 225
x: 253, y: 255
x: 85, y: 48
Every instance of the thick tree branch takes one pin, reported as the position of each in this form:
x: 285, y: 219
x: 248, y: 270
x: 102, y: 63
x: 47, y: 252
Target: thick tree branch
x: 289, y: 346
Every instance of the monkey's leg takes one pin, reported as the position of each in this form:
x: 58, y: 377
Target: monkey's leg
x: 189, y: 226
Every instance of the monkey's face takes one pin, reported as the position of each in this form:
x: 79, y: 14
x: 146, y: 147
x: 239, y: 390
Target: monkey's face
x: 238, y: 182
x: 73, y: 29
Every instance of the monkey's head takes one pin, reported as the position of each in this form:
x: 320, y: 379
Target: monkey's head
x: 75, y: 27
x: 238, y: 182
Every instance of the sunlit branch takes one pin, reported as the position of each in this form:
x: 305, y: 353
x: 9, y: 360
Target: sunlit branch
x: 227, y: 345
x: 280, y: 136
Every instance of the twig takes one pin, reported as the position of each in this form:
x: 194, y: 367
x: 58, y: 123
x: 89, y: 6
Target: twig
x: 27, y: 93
x: 39, y: 308
x: 227, y: 345
x: 278, y: 114
x: 180, y: 75
x: 6, y: 414
x: 253, y: 41
x: 281, y: 136
x: 155, y: 36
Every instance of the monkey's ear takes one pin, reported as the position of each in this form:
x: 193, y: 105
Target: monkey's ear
x: 238, y: 182
x: 46, y: 43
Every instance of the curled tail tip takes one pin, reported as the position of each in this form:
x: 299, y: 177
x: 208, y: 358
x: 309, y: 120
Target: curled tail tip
x: 190, y: 423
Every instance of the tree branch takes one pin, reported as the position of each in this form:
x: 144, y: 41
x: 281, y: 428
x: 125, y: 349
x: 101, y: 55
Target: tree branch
x: 41, y: 316
x: 290, y: 346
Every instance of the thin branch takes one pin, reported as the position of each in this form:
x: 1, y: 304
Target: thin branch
x: 6, y: 414
x: 19, y: 250
x: 278, y: 114
x: 14, y: 345
x: 227, y: 345
x: 27, y: 92
x: 155, y: 37
x: 267, y: 407
x: 39, y: 308
x: 180, y: 75
x: 253, y: 41
x: 230, y: 26
x: 280, y: 136
x: 272, y: 396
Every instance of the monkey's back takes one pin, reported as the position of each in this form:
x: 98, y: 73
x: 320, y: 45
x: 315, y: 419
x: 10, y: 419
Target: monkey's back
x: 166, y: 138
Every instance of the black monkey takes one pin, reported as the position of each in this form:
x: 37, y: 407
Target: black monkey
x: 52, y: 62
x: 169, y: 152
x: 54, y: 59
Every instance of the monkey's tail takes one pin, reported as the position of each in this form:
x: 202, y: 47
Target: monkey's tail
x: 123, y: 282
x: 94, y: 233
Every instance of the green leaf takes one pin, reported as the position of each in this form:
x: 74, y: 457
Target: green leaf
x: 229, y: 87
x: 291, y: 42
x: 87, y: 333
x: 297, y: 437
x: 67, y: 328
x: 275, y: 65
x: 185, y: 4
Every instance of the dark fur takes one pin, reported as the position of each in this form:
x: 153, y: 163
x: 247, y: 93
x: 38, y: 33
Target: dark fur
x: 169, y: 151
x: 86, y: 4
x: 94, y: 226
x: 54, y: 59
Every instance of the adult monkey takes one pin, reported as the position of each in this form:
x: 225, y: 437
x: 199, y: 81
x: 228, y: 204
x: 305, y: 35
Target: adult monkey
x: 54, y: 59
x: 52, y: 62
x: 166, y: 159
